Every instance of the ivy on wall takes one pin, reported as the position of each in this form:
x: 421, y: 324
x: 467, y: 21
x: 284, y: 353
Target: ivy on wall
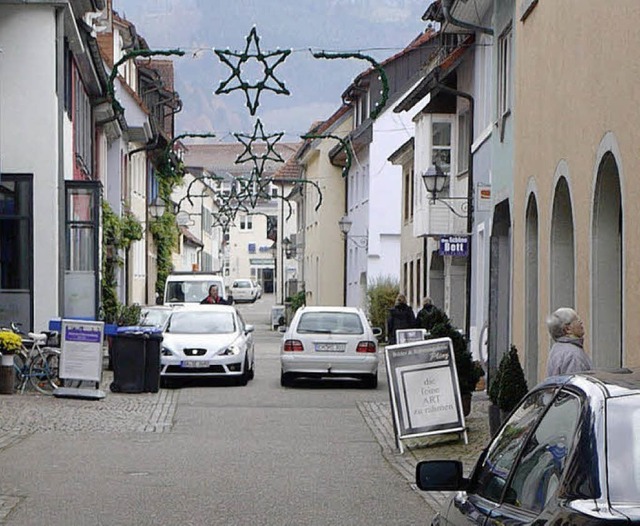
x: 118, y: 233
x: 165, y: 234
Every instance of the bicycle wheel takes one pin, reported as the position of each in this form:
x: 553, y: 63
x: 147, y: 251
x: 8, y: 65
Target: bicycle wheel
x: 21, y: 372
x: 43, y: 371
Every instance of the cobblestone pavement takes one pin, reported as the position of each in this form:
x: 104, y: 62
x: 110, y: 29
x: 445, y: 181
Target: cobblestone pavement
x: 23, y: 414
x: 378, y: 417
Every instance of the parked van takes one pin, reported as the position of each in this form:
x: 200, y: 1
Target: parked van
x: 192, y: 287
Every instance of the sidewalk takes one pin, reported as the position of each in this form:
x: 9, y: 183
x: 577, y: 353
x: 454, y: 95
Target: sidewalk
x: 450, y: 446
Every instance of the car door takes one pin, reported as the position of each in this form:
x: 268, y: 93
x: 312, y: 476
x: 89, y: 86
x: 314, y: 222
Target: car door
x: 490, y: 477
x: 534, y: 482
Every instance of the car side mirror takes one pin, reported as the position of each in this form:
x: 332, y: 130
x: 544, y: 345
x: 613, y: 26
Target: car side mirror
x: 282, y: 328
x: 377, y: 331
x: 249, y: 328
x: 440, y: 475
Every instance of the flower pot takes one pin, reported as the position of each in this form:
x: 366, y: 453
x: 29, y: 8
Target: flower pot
x: 466, y: 403
x: 7, y: 377
x: 495, y: 419
x: 7, y: 359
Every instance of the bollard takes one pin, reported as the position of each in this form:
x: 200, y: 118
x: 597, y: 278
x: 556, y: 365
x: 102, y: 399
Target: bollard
x: 7, y: 379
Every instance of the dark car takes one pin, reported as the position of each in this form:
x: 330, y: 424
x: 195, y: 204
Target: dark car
x: 568, y: 454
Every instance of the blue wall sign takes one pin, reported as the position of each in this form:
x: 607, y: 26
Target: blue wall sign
x: 454, y: 246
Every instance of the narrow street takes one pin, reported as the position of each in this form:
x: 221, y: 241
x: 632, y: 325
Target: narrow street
x: 205, y: 453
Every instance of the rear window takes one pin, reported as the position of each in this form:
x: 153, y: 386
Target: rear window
x: 242, y: 284
x: 623, y: 449
x: 330, y: 323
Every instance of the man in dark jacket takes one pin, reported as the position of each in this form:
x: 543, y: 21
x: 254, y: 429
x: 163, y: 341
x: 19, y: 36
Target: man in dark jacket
x: 429, y: 315
x: 401, y: 316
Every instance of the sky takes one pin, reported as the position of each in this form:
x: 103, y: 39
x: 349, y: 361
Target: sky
x: 379, y: 28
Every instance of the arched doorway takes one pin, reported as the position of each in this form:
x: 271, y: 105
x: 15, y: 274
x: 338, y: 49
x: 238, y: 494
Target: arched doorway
x: 606, y: 242
x: 531, y: 292
x: 562, y: 264
x: 499, y: 286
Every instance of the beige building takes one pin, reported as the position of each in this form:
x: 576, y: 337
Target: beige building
x: 324, y: 247
x: 576, y: 183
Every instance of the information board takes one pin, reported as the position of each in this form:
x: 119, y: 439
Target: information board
x: 81, y: 350
x: 410, y: 335
x: 424, y: 389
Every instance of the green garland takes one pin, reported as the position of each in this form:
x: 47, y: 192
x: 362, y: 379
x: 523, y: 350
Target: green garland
x: 117, y: 234
x: 165, y: 235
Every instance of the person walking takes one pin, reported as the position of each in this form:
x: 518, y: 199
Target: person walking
x: 401, y: 316
x: 429, y: 315
x: 213, y: 298
x: 567, y: 353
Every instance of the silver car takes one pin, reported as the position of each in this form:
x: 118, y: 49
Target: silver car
x: 330, y: 342
x: 207, y: 341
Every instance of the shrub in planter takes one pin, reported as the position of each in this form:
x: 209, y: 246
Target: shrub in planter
x: 381, y: 296
x: 509, y: 385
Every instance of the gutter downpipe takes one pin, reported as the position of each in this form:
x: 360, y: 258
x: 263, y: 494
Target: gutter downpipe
x: 446, y: 11
x: 470, y: 187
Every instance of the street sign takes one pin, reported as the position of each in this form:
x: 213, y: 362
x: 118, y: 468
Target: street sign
x: 454, y: 246
x: 424, y: 389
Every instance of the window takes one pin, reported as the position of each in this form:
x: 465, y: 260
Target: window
x: 491, y: 476
x: 504, y: 73
x: 463, y: 142
x: 541, y: 465
x: 246, y: 223
x: 82, y: 131
x: 441, y: 146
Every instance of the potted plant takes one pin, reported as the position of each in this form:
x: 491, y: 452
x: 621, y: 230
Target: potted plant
x: 10, y: 342
x: 469, y: 372
x: 506, y: 389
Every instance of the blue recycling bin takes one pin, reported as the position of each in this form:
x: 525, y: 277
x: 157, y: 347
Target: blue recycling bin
x: 135, y: 358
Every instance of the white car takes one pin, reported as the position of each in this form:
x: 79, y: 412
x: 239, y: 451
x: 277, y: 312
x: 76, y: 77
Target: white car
x: 330, y: 341
x: 207, y: 341
x: 244, y: 290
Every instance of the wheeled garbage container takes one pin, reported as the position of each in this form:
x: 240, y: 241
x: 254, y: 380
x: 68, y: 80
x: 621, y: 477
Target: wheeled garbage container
x: 135, y: 356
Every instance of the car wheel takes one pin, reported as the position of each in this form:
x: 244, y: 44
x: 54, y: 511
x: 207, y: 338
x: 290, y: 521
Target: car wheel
x: 243, y: 379
x: 286, y: 379
x: 371, y: 381
x: 252, y: 371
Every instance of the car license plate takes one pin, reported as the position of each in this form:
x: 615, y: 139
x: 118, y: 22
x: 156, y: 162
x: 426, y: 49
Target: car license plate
x: 330, y: 347
x: 193, y: 364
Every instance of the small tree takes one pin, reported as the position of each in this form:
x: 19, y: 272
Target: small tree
x: 509, y: 385
x: 381, y: 296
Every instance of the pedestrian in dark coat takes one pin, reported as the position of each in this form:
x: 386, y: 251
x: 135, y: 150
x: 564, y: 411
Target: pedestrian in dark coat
x: 429, y: 315
x: 401, y: 316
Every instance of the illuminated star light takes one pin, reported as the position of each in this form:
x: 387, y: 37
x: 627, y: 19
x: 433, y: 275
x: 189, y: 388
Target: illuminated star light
x: 226, y: 86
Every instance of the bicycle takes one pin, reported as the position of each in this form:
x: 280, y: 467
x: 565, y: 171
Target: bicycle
x: 35, y: 363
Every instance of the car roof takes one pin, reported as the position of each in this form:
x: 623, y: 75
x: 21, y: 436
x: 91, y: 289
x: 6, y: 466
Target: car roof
x: 207, y: 307
x: 317, y: 308
x: 242, y: 279
x: 622, y: 381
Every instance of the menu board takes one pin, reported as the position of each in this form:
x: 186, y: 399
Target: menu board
x: 424, y: 389
x: 81, y: 346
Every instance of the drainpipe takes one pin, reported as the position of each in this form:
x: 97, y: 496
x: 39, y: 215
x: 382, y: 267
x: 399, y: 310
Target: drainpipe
x: 470, y: 188
x: 446, y: 11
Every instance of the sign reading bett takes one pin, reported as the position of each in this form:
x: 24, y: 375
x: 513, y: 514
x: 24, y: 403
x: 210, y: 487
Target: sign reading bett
x: 425, y: 394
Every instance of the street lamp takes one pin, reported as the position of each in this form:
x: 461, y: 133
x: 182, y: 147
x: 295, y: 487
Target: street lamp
x: 345, y: 224
x: 434, y: 180
x: 157, y: 207
x: 288, y: 249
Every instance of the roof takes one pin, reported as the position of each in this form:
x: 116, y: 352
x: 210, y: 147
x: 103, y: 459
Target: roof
x: 290, y: 170
x: 220, y: 158
x: 189, y: 237
x: 446, y: 66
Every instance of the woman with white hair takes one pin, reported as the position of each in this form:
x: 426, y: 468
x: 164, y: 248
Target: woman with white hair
x: 567, y: 353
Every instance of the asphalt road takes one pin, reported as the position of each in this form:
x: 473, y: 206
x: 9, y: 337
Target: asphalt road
x: 229, y: 455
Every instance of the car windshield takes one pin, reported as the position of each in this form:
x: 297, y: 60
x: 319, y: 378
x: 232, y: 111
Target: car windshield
x: 200, y: 322
x: 242, y: 285
x: 330, y: 323
x: 623, y: 449
x: 153, y: 317
x: 189, y: 291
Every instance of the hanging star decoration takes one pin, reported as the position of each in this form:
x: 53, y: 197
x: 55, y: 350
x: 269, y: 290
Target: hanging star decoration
x: 250, y: 148
x: 269, y: 62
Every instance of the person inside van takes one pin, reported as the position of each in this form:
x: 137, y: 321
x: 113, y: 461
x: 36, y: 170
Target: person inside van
x: 213, y: 298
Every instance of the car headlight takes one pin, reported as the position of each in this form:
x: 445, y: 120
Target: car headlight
x: 164, y: 351
x: 232, y: 350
